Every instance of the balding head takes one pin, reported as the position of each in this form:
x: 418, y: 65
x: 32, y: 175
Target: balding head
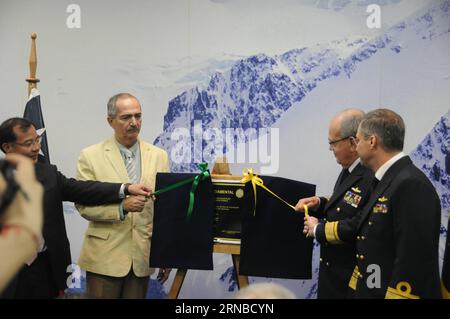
x: 341, y: 135
x: 347, y: 121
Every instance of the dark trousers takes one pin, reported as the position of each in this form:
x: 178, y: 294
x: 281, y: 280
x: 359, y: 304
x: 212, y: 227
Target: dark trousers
x: 36, y: 281
x: 107, y: 287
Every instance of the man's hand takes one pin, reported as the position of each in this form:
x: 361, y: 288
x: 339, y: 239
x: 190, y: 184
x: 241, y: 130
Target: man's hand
x: 134, y: 203
x: 311, y: 202
x: 139, y: 189
x: 163, y: 275
x: 309, y: 224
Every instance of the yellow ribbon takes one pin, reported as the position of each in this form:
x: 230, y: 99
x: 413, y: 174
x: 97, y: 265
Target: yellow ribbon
x: 305, y: 207
x: 257, y: 181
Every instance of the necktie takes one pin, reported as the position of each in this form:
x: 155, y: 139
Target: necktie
x: 342, y: 176
x: 374, y: 183
x: 345, y: 173
x: 130, y: 165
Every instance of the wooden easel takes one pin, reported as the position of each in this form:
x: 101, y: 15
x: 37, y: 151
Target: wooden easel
x: 220, y: 171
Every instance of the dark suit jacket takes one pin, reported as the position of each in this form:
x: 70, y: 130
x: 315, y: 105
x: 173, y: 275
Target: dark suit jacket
x: 399, y: 237
x: 58, y: 188
x: 337, y: 232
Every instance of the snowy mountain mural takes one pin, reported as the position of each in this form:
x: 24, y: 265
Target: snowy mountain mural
x: 255, y: 92
x: 264, y: 90
x: 432, y: 156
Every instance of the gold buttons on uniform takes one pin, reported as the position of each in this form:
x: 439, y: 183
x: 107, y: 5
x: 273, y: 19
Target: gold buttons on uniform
x: 321, y: 259
x: 338, y: 209
x: 327, y: 263
x: 361, y: 257
x: 357, y: 256
x: 358, y: 237
x: 370, y: 223
x: 362, y: 237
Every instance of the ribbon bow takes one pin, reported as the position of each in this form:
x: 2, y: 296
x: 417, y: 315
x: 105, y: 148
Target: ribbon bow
x: 204, y: 174
x: 257, y: 181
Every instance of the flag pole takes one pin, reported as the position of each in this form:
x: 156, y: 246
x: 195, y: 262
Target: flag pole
x: 32, y: 62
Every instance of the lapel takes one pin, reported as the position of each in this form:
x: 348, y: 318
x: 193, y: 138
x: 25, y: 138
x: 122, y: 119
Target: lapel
x: 354, y: 176
x: 40, y: 171
x: 146, y: 155
x: 112, y: 153
x: 391, y: 173
x: 338, y: 181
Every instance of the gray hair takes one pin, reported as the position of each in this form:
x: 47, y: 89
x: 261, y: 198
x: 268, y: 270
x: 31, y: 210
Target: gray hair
x: 112, y: 109
x: 387, y: 125
x: 350, y: 122
x: 265, y: 290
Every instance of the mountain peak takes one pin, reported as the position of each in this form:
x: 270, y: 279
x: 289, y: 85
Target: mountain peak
x: 254, y: 92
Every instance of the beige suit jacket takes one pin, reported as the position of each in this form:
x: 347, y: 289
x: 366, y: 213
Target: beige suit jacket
x: 111, y: 246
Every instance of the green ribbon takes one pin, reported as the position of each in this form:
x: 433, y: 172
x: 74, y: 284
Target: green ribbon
x: 200, y: 177
x: 204, y: 174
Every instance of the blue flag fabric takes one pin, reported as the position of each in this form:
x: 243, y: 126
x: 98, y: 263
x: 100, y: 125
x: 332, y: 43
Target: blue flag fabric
x: 33, y: 113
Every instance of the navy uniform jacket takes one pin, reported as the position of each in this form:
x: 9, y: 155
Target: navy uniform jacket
x: 338, y: 235
x: 398, y: 246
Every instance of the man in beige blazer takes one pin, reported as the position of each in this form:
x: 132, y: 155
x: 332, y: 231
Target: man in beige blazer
x: 116, y: 248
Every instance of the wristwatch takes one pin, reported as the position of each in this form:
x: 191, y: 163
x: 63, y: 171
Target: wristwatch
x: 126, y: 192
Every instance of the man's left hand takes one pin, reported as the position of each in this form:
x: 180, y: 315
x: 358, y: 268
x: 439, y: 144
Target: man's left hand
x: 309, y: 223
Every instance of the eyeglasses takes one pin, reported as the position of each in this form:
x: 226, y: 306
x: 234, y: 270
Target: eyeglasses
x: 332, y: 143
x: 29, y: 144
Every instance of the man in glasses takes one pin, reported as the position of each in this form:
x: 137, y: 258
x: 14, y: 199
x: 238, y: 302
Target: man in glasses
x: 338, y: 214
x: 45, y: 274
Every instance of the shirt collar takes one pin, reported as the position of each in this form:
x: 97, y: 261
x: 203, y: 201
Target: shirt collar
x: 352, y: 167
x: 384, y: 168
x: 124, y: 149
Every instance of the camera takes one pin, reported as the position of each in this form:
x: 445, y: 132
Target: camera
x: 7, y: 170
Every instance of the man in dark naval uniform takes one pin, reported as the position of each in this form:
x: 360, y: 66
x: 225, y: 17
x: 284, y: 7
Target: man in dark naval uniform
x: 339, y: 213
x: 398, y: 251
